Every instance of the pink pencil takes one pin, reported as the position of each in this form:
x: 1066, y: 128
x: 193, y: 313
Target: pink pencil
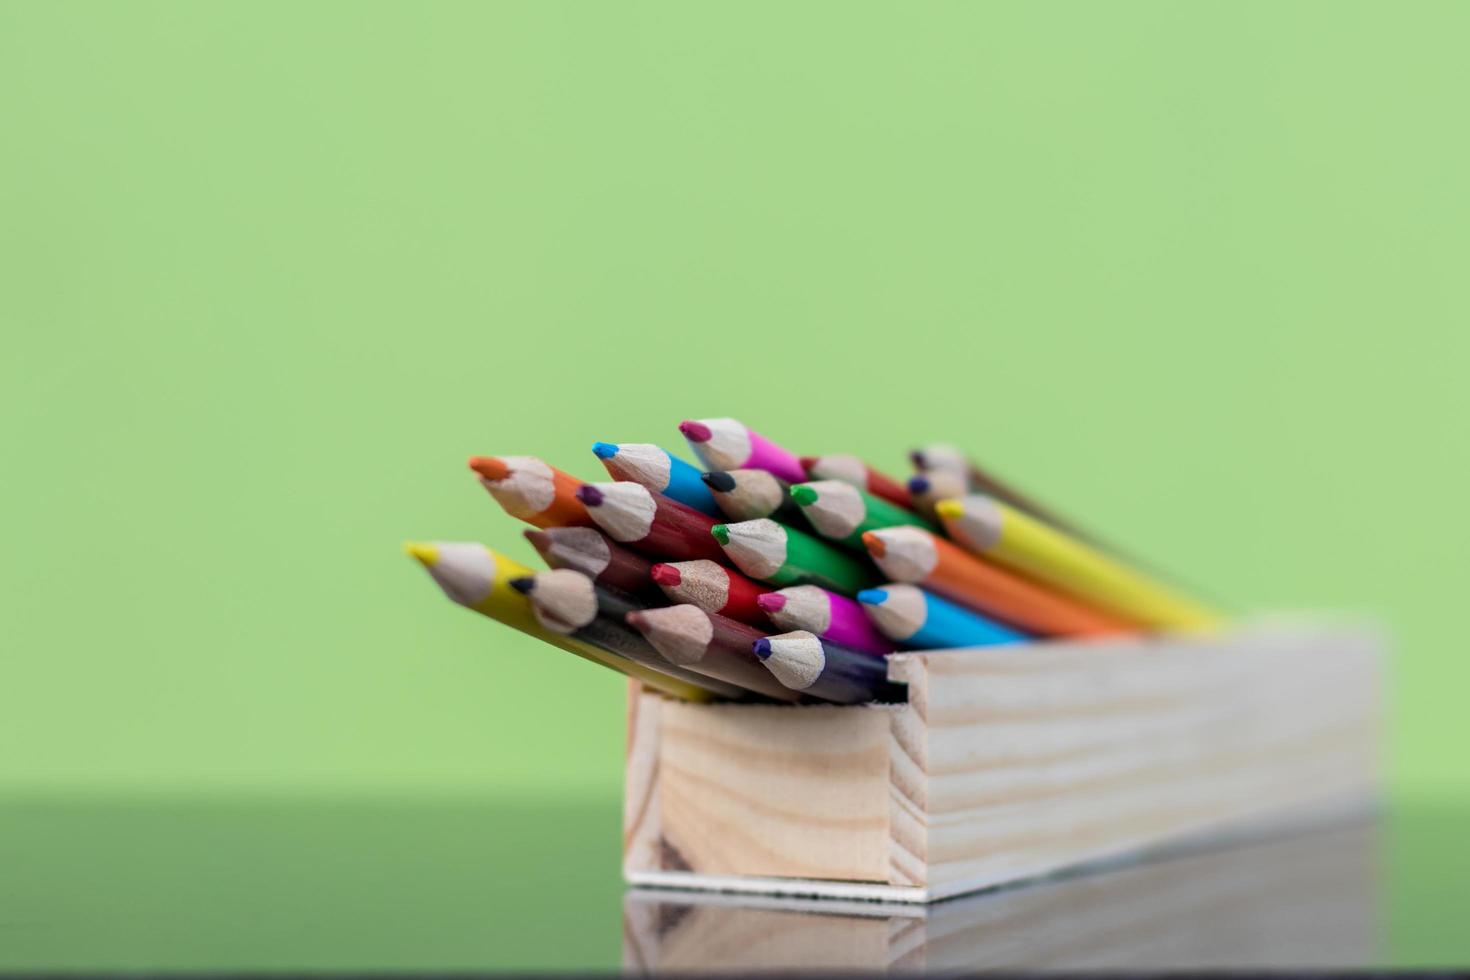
x: 829, y: 615
x: 725, y: 444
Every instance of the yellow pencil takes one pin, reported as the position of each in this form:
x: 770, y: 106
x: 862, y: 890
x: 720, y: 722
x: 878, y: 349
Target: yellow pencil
x: 1006, y: 535
x: 479, y: 578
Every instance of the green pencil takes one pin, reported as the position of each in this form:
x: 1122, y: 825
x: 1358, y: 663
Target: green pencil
x: 842, y: 512
x: 783, y: 556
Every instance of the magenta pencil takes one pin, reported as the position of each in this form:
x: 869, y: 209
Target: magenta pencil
x: 725, y: 444
x: 829, y: 615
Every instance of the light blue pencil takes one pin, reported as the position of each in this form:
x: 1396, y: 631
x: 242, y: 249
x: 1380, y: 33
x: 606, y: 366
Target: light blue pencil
x: 909, y: 615
x: 660, y: 471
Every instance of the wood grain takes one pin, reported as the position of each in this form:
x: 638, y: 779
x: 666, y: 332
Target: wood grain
x: 1007, y: 763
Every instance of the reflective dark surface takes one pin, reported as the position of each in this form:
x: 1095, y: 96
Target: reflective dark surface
x: 235, y: 884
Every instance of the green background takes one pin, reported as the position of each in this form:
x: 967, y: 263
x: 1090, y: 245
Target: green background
x: 1194, y: 272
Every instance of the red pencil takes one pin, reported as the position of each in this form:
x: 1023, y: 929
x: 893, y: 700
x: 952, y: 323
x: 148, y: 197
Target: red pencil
x: 850, y: 469
x: 713, y: 588
x: 649, y: 522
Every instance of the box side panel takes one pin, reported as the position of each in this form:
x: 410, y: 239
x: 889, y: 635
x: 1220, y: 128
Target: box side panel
x: 640, y: 781
x: 775, y: 791
x: 1054, y: 755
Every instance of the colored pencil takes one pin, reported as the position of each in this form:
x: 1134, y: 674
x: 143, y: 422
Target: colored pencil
x: 658, y: 470
x: 842, y: 512
x: 915, y: 556
x: 997, y: 531
x: 745, y: 495
x: 945, y: 471
x: 803, y: 662
x: 568, y: 603
x: 851, y: 469
x: 709, y: 644
x: 588, y: 550
x: 649, y: 522
x: 829, y: 615
x: 530, y: 489
x: 725, y: 444
x: 478, y: 578
x: 909, y: 615
x: 780, y: 555
x: 940, y: 457
x: 713, y: 588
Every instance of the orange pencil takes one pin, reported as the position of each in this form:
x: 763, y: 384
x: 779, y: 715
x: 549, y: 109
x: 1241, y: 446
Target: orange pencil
x: 914, y: 555
x: 531, y: 490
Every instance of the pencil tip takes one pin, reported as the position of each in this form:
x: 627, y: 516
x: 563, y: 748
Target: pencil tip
x: 917, y: 458
x: 874, y: 544
x: 718, y: 481
x: 872, y: 597
x: 695, y: 431
x: 803, y: 494
x: 524, y: 584
x: 762, y: 648
x: 490, y: 467
x: 664, y: 574
x: 770, y: 602
x: 539, y: 539
x: 807, y: 462
x: 949, y: 508
x: 721, y: 533
x: 605, y: 450
x: 635, y: 619
x: 919, y: 484
x: 589, y: 495
x: 426, y: 554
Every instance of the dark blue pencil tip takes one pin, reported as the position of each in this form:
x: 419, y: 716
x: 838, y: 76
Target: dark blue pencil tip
x: 523, y: 585
x: 605, y: 450
x: 919, y: 484
x: 872, y: 597
x: 719, y: 481
x: 762, y: 647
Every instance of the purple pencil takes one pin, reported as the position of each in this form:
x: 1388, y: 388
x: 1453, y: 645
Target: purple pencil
x: 829, y: 615
x: 725, y: 444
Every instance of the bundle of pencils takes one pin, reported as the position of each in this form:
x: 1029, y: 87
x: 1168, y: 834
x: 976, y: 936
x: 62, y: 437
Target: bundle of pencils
x: 761, y: 575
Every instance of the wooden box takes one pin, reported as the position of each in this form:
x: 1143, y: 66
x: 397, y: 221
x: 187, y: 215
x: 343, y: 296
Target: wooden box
x: 1005, y: 764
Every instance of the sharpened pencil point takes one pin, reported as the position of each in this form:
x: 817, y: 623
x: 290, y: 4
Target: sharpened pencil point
x: 721, y: 533
x: 604, y: 450
x: 426, y: 554
x: 874, y: 544
x: 719, y: 481
x: 695, y: 431
x: 666, y: 575
x: 919, y: 484
x: 949, y: 508
x: 589, y: 495
x: 490, y: 467
x: 807, y: 462
x: 770, y: 602
x: 635, y: 619
x: 872, y: 597
x: 524, y: 585
x: 762, y: 648
x: 916, y: 457
x: 803, y: 494
x: 539, y: 539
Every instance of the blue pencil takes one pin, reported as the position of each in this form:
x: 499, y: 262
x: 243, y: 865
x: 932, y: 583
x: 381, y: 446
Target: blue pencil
x: 909, y: 615
x: 660, y: 471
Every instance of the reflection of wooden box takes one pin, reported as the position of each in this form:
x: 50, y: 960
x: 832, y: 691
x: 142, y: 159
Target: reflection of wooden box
x: 1006, y: 763
x: 1292, y: 902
